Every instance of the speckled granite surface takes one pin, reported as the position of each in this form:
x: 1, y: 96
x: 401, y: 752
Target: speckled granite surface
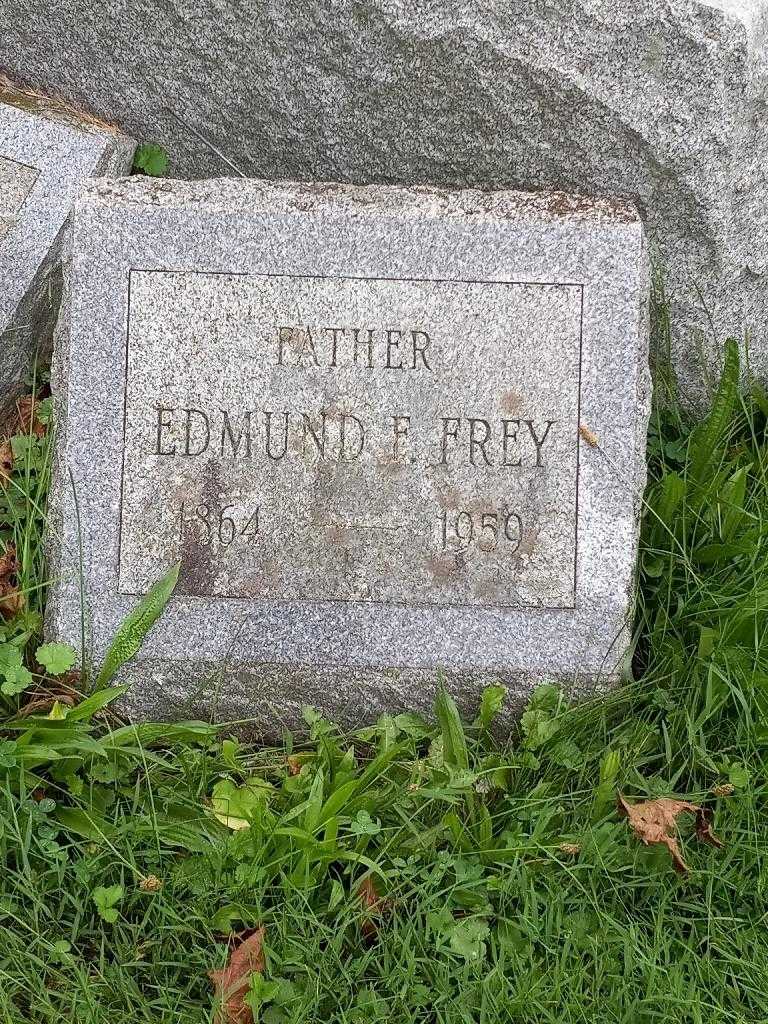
x: 460, y: 525
x: 663, y: 102
x: 45, y: 158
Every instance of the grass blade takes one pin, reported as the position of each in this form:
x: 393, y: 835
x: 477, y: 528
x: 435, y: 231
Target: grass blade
x: 130, y: 636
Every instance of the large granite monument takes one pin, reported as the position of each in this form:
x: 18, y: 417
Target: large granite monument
x: 388, y: 433
x: 664, y: 102
x: 47, y: 152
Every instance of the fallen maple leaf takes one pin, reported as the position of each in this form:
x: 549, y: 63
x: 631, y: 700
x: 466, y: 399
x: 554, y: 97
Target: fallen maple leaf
x: 232, y: 983
x: 704, y: 828
x: 654, y: 821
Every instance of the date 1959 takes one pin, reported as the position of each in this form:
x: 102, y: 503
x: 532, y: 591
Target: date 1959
x: 486, y: 529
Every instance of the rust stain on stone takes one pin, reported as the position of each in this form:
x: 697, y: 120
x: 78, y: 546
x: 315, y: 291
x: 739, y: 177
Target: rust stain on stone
x: 566, y: 204
x: 511, y: 403
x: 528, y: 541
x: 443, y: 567
x: 449, y: 497
x: 335, y: 536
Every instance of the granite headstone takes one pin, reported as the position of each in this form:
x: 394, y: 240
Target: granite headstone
x: 388, y: 432
x: 47, y: 152
x: 664, y: 102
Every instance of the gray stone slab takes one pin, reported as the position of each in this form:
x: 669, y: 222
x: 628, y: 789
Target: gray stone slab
x: 353, y: 414
x: 46, y: 153
x: 660, y: 101
x: 16, y: 182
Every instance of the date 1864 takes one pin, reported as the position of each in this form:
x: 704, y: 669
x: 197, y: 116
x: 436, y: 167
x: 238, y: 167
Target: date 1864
x: 224, y: 525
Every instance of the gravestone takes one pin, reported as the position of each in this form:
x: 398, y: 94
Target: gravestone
x: 46, y: 153
x: 387, y: 432
x: 664, y: 102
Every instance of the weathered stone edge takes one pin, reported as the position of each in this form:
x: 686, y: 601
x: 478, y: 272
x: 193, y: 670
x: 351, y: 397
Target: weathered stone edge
x: 226, y: 194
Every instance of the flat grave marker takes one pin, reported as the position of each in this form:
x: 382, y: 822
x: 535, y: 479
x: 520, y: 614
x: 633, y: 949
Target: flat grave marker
x: 356, y: 417
x: 47, y: 152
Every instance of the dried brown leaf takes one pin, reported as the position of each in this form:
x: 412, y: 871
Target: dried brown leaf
x: 374, y: 906
x: 232, y: 983
x: 27, y: 421
x: 64, y: 689
x: 11, y: 599
x: 42, y: 701
x: 589, y: 436
x: 9, y: 564
x: 6, y: 462
x: 704, y: 831
x: 655, y: 821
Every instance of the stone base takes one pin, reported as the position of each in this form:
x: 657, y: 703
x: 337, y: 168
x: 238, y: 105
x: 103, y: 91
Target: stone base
x: 264, y: 701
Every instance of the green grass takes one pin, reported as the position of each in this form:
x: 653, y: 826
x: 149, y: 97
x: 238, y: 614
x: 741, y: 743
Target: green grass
x: 491, y: 914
